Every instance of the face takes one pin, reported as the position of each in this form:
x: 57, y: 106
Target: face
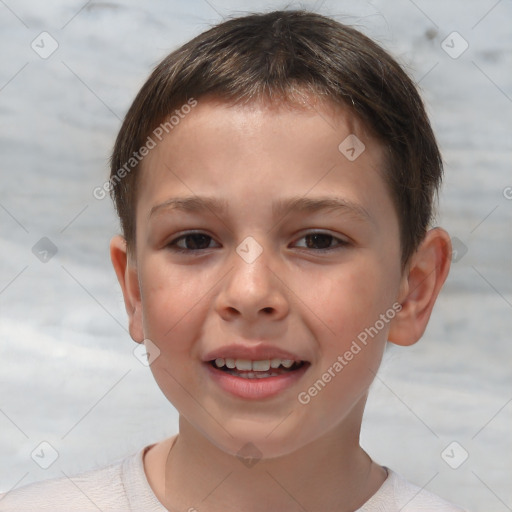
x: 260, y: 244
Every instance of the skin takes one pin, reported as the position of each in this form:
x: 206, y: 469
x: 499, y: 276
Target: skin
x: 295, y: 296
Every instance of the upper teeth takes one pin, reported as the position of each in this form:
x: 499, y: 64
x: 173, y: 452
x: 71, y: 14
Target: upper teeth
x: 258, y: 366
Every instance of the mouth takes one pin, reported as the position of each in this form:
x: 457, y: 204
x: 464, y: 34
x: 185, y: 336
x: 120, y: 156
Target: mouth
x: 257, y: 369
x: 254, y: 371
x: 255, y: 379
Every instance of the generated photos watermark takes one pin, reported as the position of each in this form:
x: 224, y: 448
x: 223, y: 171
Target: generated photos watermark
x: 305, y: 397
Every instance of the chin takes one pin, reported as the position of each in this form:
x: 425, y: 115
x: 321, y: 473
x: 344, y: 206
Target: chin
x: 257, y: 440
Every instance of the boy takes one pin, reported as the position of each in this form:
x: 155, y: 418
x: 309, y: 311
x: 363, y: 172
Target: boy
x: 274, y: 179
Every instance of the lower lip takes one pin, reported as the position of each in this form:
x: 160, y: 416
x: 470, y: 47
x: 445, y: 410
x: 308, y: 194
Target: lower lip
x: 255, y: 389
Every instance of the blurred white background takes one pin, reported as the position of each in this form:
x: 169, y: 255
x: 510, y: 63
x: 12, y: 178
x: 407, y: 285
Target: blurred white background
x: 68, y: 375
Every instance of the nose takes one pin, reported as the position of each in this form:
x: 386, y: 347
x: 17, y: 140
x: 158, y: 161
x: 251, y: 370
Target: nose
x: 253, y: 291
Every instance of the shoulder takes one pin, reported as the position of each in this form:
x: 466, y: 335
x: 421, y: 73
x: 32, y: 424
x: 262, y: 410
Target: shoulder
x: 93, y: 490
x: 397, y: 494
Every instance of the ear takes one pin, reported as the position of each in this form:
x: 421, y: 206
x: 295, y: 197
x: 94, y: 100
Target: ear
x: 421, y: 283
x: 126, y: 271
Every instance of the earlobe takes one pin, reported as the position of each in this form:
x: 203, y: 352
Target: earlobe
x: 126, y: 272
x: 421, y: 284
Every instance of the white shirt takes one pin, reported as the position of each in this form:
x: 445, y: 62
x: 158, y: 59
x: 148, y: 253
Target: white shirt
x: 123, y: 487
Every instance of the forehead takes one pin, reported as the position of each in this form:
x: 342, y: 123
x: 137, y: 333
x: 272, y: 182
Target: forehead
x: 265, y: 153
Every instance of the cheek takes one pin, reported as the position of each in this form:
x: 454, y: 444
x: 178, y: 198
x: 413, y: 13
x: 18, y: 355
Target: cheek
x: 351, y: 299
x: 170, y: 299
x: 170, y: 305
x: 351, y: 303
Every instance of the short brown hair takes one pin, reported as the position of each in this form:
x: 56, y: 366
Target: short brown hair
x: 267, y: 56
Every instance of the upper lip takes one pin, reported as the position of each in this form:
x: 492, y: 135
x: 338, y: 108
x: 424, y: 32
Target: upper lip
x: 258, y: 352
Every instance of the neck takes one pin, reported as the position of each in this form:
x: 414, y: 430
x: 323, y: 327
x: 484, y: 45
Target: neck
x: 331, y: 473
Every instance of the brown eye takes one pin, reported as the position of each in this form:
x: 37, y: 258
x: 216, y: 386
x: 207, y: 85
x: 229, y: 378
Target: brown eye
x: 191, y: 242
x: 322, y: 241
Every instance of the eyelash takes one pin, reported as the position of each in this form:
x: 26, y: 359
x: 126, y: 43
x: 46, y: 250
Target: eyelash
x: 173, y: 247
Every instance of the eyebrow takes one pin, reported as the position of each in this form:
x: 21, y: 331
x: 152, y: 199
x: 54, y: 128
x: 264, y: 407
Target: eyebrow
x: 300, y: 204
